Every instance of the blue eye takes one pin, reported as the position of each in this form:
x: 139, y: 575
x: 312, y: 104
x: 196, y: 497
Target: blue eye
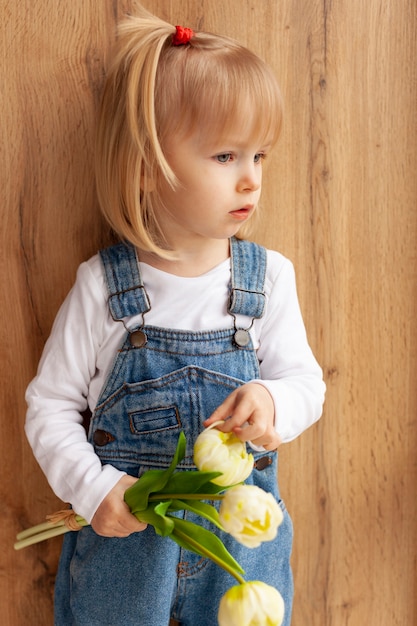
x: 224, y: 158
x: 259, y: 157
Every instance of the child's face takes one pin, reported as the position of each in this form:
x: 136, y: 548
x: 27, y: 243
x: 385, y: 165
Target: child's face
x: 219, y: 187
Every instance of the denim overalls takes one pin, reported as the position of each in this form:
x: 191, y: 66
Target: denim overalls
x: 164, y: 381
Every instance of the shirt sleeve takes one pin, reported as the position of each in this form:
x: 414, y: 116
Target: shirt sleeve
x: 288, y: 367
x: 58, y: 394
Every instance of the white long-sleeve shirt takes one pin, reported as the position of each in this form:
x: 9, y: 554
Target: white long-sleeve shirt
x: 84, y: 341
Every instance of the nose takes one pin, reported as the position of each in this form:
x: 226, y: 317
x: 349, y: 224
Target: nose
x: 250, y: 178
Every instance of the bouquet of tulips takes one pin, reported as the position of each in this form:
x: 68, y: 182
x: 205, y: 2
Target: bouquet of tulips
x: 246, y: 512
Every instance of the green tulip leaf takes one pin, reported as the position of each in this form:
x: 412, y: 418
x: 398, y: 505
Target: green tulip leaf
x: 155, y: 515
x: 137, y: 496
x: 152, y: 481
x: 192, y: 482
x: 199, y: 508
x: 203, y: 542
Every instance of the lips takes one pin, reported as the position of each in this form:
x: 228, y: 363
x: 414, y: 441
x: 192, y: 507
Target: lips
x: 241, y: 213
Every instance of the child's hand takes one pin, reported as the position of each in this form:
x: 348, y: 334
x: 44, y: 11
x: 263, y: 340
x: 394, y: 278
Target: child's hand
x: 113, y: 517
x: 249, y: 412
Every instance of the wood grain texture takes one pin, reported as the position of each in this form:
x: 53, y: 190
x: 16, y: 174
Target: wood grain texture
x: 339, y: 199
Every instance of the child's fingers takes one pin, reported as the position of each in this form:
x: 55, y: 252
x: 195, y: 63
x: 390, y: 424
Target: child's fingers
x: 122, y: 528
x: 222, y: 413
x: 113, y: 517
x: 234, y: 412
x: 249, y: 413
x: 270, y: 440
x: 122, y: 525
x: 247, y: 404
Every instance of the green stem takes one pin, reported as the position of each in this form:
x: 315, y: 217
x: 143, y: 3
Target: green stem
x: 45, y: 526
x: 210, y: 555
x: 42, y: 532
x: 47, y: 534
x: 184, y: 496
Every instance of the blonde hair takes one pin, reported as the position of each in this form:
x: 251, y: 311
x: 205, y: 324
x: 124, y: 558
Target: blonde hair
x: 154, y: 89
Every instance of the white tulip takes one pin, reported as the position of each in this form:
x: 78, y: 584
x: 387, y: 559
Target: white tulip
x: 250, y: 515
x: 251, y: 604
x: 215, y: 451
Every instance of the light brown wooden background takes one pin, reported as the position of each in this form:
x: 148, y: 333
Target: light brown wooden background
x: 339, y: 199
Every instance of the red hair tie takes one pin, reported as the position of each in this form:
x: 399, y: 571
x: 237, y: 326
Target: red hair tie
x: 182, y: 36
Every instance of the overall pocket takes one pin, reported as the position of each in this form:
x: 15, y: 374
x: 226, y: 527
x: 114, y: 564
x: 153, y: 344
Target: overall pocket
x: 139, y: 424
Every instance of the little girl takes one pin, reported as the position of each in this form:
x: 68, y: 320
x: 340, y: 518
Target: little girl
x: 181, y: 324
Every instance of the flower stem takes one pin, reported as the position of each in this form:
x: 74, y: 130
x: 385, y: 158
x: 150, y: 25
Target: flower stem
x: 184, y: 496
x: 44, y: 531
x: 37, y: 530
x: 36, y: 538
x: 45, y: 526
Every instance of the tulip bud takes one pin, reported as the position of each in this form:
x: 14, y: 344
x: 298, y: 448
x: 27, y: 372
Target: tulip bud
x: 250, y: 515
x: 215, y: 451
x: 251, y: 604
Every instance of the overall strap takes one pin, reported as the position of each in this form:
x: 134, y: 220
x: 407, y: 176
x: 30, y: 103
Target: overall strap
x: 248, y: 267
x: 127, y: 295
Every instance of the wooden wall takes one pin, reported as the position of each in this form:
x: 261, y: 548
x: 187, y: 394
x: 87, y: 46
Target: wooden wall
x: 339, y: 199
